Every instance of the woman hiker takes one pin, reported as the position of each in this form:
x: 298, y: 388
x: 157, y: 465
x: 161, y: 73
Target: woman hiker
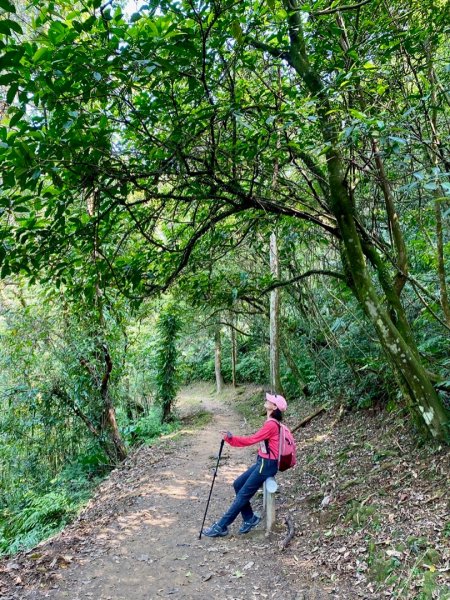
x: 247, y: 484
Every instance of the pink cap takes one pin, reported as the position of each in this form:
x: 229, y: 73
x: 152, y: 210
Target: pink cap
x: 279, y: 401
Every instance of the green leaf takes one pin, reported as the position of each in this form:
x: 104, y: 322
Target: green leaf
x: 40, y: 54
x: 11, y: 58
x: 4, y: 27
x: 12, y: 93
x: 398, y: 140
x: 6, y: 270
x: 57, y: 32
x: 357, y: 114
x: 16, y: 118
x: 236, y: 30
x: 135, y: 17
x: 8, y: 78
x: 7, y: 6
x: 7, y: 25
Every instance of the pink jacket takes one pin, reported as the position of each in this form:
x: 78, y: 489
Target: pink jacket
x: 269, y: 431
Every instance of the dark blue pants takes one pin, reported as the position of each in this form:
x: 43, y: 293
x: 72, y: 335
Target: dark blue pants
x: 246, y: 486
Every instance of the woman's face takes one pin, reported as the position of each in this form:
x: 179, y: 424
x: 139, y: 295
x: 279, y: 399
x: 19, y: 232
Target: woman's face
x: 270, y: 406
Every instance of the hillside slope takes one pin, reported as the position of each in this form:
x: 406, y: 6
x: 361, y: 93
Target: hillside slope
x: 369, y: 509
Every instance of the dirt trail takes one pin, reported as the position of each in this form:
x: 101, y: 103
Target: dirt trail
x: 138, y: 537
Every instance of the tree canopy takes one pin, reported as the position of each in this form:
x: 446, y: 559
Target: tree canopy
x: 138, y: 152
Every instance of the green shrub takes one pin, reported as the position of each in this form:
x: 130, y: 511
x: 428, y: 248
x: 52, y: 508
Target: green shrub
x: 167, y: 382
x: 38, y: 517
x: 149, y: 427
x: 253, y: 367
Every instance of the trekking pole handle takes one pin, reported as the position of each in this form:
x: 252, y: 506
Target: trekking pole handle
x: 222, y: 442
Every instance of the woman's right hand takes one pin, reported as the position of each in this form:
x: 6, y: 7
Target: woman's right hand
x: 226, y: 435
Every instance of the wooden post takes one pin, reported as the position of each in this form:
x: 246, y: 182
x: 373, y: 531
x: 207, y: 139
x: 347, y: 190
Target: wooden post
x: 269, y: 489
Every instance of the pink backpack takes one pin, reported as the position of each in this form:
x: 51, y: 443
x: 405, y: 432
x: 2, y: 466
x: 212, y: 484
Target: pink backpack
x: 286, y: 451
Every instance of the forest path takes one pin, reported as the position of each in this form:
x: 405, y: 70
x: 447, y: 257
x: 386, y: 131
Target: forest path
x: 138, y: 537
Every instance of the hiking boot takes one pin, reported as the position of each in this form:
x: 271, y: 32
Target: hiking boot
x: 215, y: 531
x: 247, y: 525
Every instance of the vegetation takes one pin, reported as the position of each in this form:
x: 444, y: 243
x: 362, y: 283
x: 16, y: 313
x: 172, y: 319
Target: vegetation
x: 166, y: 362
x: 151, y: 157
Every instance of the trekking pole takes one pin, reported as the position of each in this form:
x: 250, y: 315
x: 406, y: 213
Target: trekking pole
x: 212, y: 485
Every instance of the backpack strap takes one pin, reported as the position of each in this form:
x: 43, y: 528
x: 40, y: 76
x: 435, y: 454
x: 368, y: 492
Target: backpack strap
x: 266, y: 442
x: 280, y: 428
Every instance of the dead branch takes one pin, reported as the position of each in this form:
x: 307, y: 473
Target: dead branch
x: 339, y: 416
x: 290, y: 532
x: 306, y: 420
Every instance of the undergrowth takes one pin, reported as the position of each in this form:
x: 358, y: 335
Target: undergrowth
x: 29, y: 516
x: 34, y: 515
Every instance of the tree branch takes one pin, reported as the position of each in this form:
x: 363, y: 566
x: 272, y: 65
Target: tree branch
x: 330, y: 11
x: 279, y: 284
x: 275, y: 52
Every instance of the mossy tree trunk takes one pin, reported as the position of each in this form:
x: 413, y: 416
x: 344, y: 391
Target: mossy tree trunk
x: 233, y: 353
x: 400, y: 350
x: 218, y: 358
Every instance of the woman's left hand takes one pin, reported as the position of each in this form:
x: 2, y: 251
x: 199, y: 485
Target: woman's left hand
x: 226, y: 435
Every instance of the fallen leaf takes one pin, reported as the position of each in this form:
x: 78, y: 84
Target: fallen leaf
x: 67, y: 558
x: 394, y: 553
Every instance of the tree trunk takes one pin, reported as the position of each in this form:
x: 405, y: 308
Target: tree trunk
x: 402, y: 354
x: 393, y: 221
x: 293, y: 367
x: 233, y: 354
x: 114, y: 434
x: 438, y: 193
x: 109, y: 413
x: 218, y: 359
x: 424, y: 400
x: 109, y: 423
x: 275, y: 380
x: 440, y: 261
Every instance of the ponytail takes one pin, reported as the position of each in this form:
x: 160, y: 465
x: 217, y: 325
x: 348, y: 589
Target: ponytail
x: 277, y: 414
